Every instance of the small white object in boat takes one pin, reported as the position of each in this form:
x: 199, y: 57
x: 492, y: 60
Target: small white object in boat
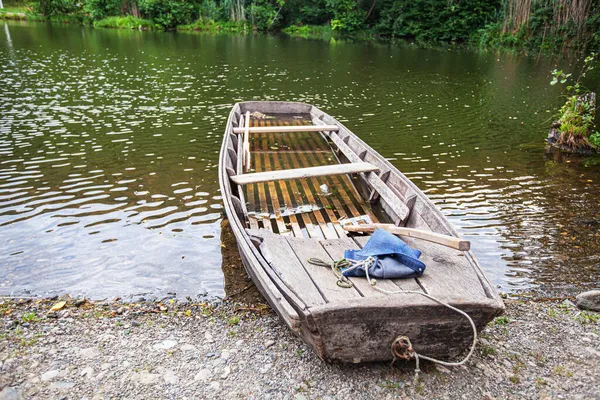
x: 324, y: 189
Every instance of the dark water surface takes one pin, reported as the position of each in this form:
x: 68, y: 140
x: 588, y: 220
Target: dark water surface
x: 109, y: 144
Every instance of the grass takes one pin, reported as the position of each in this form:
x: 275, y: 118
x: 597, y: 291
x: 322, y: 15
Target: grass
x: 586, y: 317
x: 216, y: 26
x: 127, y: 22
x: 502, y: 320
x: 14, y: 10
x: 309, y: 31
x: 487, y: 351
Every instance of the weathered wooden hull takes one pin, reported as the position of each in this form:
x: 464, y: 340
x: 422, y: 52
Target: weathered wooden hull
x: 358, y: 325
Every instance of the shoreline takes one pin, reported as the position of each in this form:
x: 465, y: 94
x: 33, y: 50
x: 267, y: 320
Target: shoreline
x: 227, y: 349
x: 230, y: 28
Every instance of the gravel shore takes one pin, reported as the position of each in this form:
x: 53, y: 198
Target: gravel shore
x: 176, y: 350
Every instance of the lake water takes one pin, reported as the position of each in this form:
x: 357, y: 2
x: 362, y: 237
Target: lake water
x: 109, y: 147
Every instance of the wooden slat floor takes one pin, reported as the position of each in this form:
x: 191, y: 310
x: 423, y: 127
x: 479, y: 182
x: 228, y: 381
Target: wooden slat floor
x: 298, y: 207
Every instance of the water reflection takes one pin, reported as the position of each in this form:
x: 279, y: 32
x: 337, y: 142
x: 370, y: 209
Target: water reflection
x: 109, y: 147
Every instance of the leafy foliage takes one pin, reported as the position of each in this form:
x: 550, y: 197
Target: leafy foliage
x: 99, y: 9
x: 433, y: 20
x: 577, y: 115
x: 347, y: 15
x: 168, y: 13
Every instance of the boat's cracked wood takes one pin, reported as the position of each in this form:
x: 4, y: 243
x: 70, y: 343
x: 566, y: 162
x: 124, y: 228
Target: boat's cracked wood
x: 449, y: 273
x: 282, y: 259
x: 323, y: 277
x: 364, y: 330
x: 337, y: 169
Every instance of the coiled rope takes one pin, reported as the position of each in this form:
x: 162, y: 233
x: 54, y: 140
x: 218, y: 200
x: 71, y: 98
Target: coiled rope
x: 401, y: 346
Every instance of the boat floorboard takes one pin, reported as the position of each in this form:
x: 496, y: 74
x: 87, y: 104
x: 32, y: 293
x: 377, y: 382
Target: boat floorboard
x: 299, y: 207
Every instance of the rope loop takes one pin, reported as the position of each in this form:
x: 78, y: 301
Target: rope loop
x: 402, y: 348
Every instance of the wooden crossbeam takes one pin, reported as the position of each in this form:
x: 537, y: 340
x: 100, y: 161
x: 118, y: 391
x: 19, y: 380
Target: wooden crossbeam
x: 299, y: 173
x: 287, y: 129
x: 375, y: 181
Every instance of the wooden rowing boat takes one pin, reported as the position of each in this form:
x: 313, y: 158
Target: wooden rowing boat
x: 291, y: 176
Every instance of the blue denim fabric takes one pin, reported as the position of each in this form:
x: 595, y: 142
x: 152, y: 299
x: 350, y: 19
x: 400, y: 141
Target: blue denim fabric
x: 395, y: 259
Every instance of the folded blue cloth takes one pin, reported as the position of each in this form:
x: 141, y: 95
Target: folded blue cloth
x: 395, y: 259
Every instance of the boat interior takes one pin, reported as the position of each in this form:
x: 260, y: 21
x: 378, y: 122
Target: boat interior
x: 297, y: 177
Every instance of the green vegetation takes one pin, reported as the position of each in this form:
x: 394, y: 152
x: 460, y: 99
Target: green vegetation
x: 127, y: 22
x: 544, y: 25
x: 576, y: 120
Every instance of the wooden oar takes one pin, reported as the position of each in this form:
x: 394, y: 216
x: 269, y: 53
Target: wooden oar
x: 449, y: 241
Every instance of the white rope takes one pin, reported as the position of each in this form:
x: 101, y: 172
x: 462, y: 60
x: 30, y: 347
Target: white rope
x: 367, y: 264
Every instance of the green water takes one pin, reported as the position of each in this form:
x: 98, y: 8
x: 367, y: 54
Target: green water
x: 109, y: 146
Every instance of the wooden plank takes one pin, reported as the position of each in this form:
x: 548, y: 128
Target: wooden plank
x: 336, y: 248
x: 301, y: 160
x: 262, y: 198
x: 246, y: 153
x: 328, y: 231
x: 345, y: 195
x: 239, y: 170
x: 323, y: 277
x: 449, y: 273
x: 282, y: 259
x: 338, y: 169
x: 402, y: 284
x: 288, y: 201
x: 286, y: 128
x: 302, y: 184
x: 274, y: 197
x: 444, y: 240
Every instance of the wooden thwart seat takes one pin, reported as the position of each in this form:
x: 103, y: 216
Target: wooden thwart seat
x: 299, y: 173
x: 286, y: 129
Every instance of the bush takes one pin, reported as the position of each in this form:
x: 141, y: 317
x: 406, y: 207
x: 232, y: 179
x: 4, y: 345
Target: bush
x: 263, y: 14
x: 435, y: 20
x: 169, y: 13
x: 99, y: 9
x: 348, y: 17
x: 53, y: 7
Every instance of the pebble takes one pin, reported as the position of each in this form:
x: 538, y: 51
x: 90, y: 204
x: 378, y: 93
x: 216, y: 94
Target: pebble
x: 146, y: 378
x: 90, y: 352
x: 88, y: 372
x: 189, y: 347
x: 165, y: 345
x: 48, y: 376
x: 11, y: 393
x: 226, y: 372
x: 62, y: 385
x: 170, y: 377
x: 269, y: 343
x: 589, y: 300
x: 203, y: 375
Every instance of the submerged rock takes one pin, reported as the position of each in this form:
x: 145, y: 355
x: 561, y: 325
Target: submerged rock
x: 589, y: 300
